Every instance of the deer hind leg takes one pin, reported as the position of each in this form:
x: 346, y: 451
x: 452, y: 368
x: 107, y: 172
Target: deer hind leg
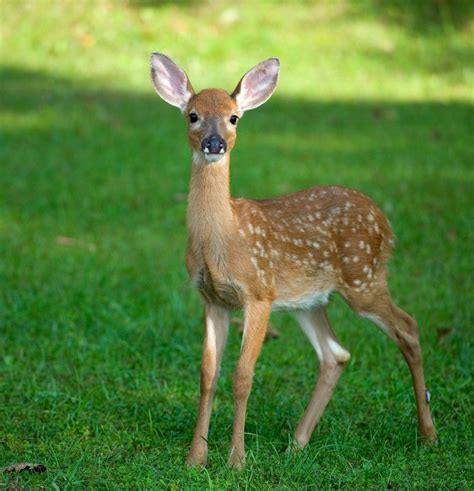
x: 332, y: 359
x: 403, y: 329
x: 216, y: 328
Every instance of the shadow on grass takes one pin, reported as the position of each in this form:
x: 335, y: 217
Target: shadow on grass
x: 60, y: 133
x: 424, y: 16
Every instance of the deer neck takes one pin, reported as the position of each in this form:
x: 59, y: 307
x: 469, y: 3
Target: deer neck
x: 210, y: 217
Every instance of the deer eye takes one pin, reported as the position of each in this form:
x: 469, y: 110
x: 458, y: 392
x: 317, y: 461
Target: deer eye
x: 233, y: 119
x: 193, y: 117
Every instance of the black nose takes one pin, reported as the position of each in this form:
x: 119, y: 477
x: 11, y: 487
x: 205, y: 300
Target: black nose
x: 213, y: 144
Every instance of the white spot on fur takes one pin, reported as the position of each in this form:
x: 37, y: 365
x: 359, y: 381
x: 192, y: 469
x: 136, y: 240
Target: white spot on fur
x: 321, y: 231
x: 326, y: 266
x: 355, y: 259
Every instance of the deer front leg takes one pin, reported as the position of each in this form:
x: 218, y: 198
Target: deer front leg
x: 216, y: 328
x: 256, y: 321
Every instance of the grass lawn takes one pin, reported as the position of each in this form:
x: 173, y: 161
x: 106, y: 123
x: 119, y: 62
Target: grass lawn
x: 100, y: 331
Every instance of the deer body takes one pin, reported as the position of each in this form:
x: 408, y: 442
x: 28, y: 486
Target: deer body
x: 285, y: 253
x: 293, y: 250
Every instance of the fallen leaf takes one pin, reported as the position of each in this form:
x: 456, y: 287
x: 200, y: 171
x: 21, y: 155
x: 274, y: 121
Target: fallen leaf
x: 381, y: 113
x: 452, y: 234
x: 87, y: 41
x: 442, y: 332
x: 25, y: 467
x: 14, y: 486
x: 71, y: 242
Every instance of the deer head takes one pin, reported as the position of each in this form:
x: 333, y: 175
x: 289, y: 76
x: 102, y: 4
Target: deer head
x: 212, y: 114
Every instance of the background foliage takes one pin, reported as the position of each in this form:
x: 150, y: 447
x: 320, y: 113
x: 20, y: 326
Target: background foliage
x: 100, y: 332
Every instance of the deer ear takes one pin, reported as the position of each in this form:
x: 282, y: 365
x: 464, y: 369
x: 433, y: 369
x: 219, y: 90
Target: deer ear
x: 170, y: 81
x: 257, y: 85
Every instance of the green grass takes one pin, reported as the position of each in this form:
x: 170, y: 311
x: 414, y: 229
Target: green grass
x: 100, y: 335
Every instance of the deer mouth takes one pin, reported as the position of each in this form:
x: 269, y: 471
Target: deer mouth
x: 213, y: 157
x: 214, y: 151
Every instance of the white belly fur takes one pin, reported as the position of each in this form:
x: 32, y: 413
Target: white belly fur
x: 305, y: 302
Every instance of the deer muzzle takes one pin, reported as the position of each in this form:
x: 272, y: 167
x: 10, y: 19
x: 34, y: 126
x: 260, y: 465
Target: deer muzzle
x: 214, y: 144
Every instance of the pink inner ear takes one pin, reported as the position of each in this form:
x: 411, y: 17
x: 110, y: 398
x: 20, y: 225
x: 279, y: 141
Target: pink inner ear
x: 171, y: 83
x: 257, y: 85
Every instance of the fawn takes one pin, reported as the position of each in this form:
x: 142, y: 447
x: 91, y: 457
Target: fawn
x: 287, y: 253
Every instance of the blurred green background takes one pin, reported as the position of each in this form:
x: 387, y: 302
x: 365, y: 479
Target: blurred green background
x: 100, y: 332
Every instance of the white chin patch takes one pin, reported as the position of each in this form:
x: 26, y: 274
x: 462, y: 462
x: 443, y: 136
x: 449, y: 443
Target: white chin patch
x: 213, y: 157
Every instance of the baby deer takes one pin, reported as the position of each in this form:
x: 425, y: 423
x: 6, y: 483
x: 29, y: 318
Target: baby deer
x: 284, y: 253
